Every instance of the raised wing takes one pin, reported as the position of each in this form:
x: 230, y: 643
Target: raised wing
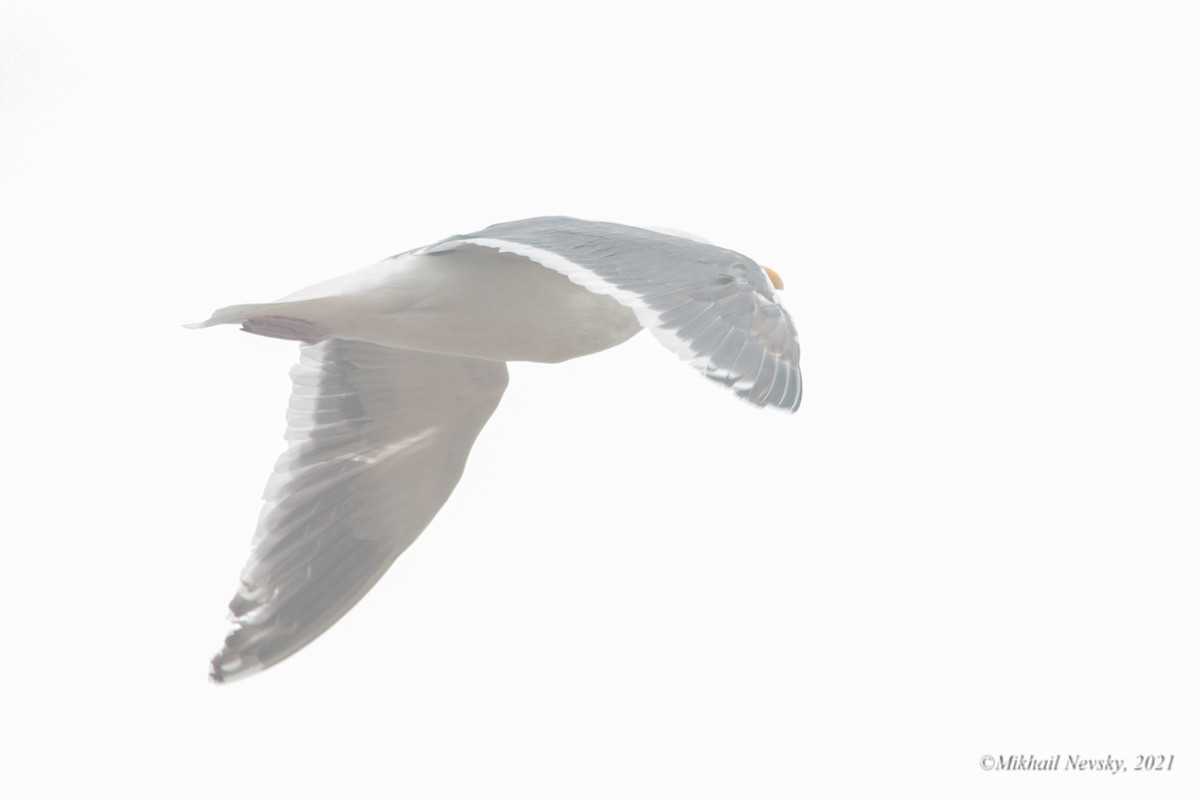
x: 377, y: 440
x: 713, y: 307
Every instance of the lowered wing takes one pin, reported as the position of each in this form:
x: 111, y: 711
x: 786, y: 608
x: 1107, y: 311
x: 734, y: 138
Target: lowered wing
x: 377, y: 439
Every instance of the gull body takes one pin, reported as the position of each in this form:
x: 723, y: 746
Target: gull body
x: 402, y: 363
x: 471, y: 301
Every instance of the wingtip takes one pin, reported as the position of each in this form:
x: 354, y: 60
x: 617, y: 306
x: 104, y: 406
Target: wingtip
x: 222, y: 669
x: 218, y: 672
x: 229, y: 664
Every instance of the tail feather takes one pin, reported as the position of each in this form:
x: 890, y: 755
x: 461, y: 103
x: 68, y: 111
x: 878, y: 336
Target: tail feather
x: 233, y: 315
x: 301, y: 311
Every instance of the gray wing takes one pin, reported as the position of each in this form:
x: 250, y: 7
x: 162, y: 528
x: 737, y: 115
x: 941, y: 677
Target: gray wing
x: 377, y: 440
x: 715, y: 308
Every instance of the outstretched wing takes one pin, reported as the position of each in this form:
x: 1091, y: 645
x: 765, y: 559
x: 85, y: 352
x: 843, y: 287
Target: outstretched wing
x: 715, y: 308
x: 377, y: 439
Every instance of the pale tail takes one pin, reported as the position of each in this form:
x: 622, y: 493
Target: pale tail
x: 281, y: 320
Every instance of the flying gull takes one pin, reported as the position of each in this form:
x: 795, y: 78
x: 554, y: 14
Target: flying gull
x: 402, y: 363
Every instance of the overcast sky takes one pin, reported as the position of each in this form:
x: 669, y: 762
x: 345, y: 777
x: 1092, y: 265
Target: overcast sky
x: 977, y: 537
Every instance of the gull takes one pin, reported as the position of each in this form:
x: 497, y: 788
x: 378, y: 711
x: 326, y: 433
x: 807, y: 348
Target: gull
x: 403, y: 362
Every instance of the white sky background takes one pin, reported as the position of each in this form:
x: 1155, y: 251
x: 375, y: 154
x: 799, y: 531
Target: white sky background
x: 977, y: 536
